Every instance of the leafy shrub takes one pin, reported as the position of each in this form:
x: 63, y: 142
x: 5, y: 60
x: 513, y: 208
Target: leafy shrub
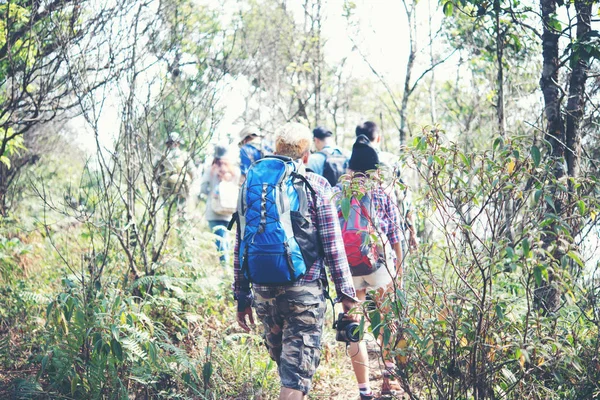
x: 498, y: 302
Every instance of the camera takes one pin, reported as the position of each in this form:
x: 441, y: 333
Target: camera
x: 346, y: 331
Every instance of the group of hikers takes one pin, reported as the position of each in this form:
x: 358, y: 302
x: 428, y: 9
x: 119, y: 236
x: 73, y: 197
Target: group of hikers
x: 290, y: 222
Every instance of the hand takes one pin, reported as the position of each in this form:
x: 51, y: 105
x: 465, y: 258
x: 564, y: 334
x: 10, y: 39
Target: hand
x: 412, y: 241
x: 347, y: 305
x: 241, y: 318
x: 399, y: 269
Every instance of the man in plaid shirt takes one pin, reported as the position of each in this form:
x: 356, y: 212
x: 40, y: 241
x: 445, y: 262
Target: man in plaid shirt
x: 293, y: 315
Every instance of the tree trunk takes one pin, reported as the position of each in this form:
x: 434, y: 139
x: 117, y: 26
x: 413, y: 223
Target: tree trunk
x: 547, y: 295
x: 555, y: 132
x: 576, y: 102
x: 318, y: 82
x: 432, y: 103
x: 412, y: 31
x: 500, y: 76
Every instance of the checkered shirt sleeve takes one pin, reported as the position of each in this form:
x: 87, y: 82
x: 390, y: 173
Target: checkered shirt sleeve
x: 328, y: 226
x: 388, y: 214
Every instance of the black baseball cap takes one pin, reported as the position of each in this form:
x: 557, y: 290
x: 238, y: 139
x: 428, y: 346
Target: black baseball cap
x: 320, y: 132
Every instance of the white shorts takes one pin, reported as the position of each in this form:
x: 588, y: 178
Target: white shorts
x: 376, y: 280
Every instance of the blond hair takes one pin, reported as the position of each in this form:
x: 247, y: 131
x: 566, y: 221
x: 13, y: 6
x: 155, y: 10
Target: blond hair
x: 292, y: 140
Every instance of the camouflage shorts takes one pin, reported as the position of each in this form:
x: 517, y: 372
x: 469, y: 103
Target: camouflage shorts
x: 293, y: 322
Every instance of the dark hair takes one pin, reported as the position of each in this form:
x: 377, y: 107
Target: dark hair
x: 320, y: 132
x: 369, y: 129
x: 364, y: 157
x: 222, y: 166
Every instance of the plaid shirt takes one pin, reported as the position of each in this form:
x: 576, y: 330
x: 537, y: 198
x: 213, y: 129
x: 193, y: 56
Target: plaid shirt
x: 387, y: 212
x: 325, y: 219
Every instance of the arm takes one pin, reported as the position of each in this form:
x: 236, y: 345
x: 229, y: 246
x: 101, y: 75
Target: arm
x: 205, y: 181
x: 393, y: 228
x: 241, y: 289
x: 245, y: 161
x: 412, y: 235
x: 399, y: 256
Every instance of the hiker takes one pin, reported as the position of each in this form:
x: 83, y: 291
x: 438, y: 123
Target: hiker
x: 329, y: 160
x: 287, y: 232
x: 374, y: 264
x: 250, y: 148
x: 175, y: 172
x: 220, y: 185
x: 404, y: 196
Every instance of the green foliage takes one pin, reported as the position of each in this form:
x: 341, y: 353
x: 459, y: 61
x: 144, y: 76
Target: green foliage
x: 101, y: 341
x: 475, y: 320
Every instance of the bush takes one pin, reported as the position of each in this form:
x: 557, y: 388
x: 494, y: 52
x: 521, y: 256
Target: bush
x: 498, y: 301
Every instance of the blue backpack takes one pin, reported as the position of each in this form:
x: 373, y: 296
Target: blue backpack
x: 278, y: 240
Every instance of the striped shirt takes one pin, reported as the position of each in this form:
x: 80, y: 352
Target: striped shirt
x: 325, y: 219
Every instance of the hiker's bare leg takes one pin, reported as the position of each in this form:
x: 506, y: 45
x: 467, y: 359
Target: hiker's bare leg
x: 290, y: 394
x: 358, y: 352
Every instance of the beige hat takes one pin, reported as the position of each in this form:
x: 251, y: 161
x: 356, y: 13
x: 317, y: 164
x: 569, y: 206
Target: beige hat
x: 249, y: 131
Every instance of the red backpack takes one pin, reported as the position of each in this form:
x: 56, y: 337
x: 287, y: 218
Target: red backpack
x: 362, y: 239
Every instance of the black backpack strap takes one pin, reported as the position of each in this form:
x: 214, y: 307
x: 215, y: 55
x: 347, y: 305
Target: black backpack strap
x: 235, y: 218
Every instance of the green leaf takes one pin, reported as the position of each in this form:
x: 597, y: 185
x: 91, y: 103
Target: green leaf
x: 526, y: 247
x: 49, y: 310
x: 536, y: 156
x: 554, y: 24
x: 550, y: 202
x: 117, y: 349
x: 448, y: 8
x: 537, y: 274
x: 345, y: 207
x: 581, y: 206
x: 498, y: 143
x: 5, y: 160
x: 575, y: 257
x: 74, y: 382
x: 499, y: 312
x: 510, y: 253
x: 376, y: 323
x: 387, y: 335
x: 207, y: 371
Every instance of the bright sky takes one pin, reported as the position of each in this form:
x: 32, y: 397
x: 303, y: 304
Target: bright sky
x: 379, y: 28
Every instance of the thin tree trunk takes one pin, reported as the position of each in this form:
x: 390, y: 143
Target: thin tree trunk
x: 412, y: 32
x: 500, y: 76
x: 576, y: 102
x: 319, y: 81
x: 432, y: 103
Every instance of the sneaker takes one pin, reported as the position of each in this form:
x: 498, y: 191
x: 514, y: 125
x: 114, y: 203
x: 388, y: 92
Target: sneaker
x: 370, y: 396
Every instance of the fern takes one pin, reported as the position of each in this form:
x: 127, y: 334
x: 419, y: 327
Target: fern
x: 5, y: 354
x: 25, y: 389
x: 134, y: 349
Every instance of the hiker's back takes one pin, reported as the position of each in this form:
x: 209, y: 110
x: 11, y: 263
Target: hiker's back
x: 330, y: 163
x: 368, y: 232
x: 221, y: 185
